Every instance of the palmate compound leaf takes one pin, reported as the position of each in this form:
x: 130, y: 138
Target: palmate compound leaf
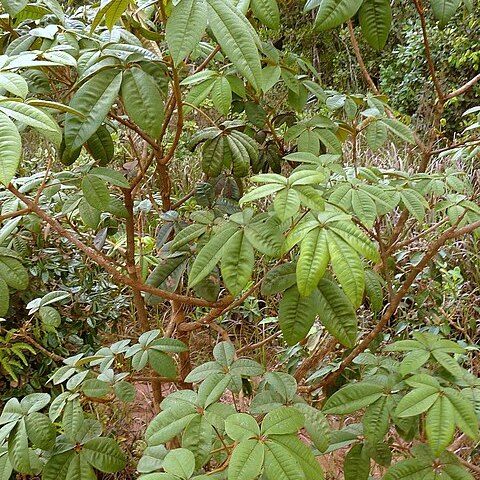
x: 10, y: 149
x: 185, y: 28
x: 353, y: 397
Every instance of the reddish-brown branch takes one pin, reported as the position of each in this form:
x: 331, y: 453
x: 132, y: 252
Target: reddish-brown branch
x: 109, y: 267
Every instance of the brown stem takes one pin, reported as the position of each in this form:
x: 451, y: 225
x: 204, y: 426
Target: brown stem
x: 463, y: 88
x: 315, y: 358
x: 109, y: 267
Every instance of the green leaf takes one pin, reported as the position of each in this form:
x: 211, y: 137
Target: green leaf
x: 169, y: 423
x: 313, y: 260
x: 332, y: 13
x: 185, y: 28
x: 316, y: 426
x: 100, y: 146
x: 57, y: 466
x: 417, y: 401
x: 348, y: 269
x: 162, y: 363
x: 237, y: 262
x: 14, y: 83
x: 179, y: 462
x: 440, y: 425
x: 280, y: 464
x: 79, y: 469
x: 279, y: 278
x: 5, y: 466
x: 375, y: 17
x: 10, y: 149
x: 267, y: 12
x: 376, y: 132
x: 222, y: 95
x: 212, y: 388
x: 357, y: 464
x: 296, y: 314
x: 203, y: 371
x: 198, y: 438
x: 282, y: 421
x: 72, y: 419
x: 13, y: 273
x: 104, y: 454
x: 4, y: 298
x: 301, y: 453
x: 237, y: 38
x: 247, y: 368
x: 353, y: 397
x: 465, y: 416
x: 410, y: 469
x: 356, y: 239
x: 415, y: 203
x: 399, y: 129
x: 261, y: 192
x: 286, y: 204
x: 336, y: 313
x: 14, y: 7
x: 241, y: 426
x: 246, y: 461
x: 364, y: 207
x: 93, y: 100
x: 265, y: 235
x: 413, y: 361
x: 448, y: 363
x: 114, y: 11
x: 95, y: 388
x: 376, y: 420
x: 143, y: 100
x: 95, y: 192
x: 18, y: 449
x: 210, y: 254
x: 40, y: 430
x: 33, y: 117
x: 444, y: 10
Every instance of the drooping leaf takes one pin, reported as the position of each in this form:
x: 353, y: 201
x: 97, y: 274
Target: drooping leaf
x: 143, y: 100
x: 296, y: 314
x: 267, y: 12
x: 237, y: 39
x: 332, y: 13
x: 375, y: 18
x: 93, y: 100
x: 443, y: 10
x: 10, y: 149
x: 185, y: 28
